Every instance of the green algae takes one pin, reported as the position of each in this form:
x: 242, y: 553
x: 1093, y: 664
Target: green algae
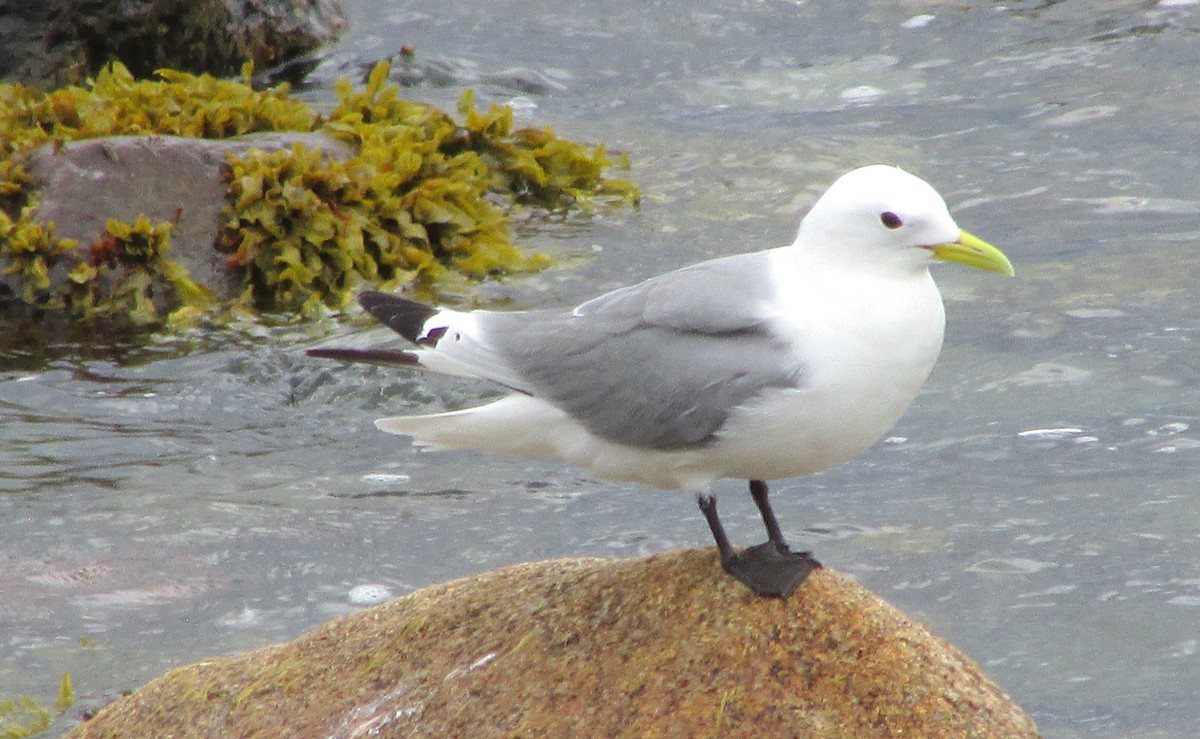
x: 32, y: 250
x: 24, y: 716
x: 115, y: 103
x: 423, y: 202
x: 127, y: 273
x: 66, y: 694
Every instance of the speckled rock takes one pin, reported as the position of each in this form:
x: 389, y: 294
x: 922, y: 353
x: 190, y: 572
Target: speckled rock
x: 666, y: 646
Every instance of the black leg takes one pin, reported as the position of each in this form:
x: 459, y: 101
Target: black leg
x: 758, y: 491
x: 708, y: 506
x: 769, y: 569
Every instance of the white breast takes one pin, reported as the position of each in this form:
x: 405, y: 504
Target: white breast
x: 867, y: 345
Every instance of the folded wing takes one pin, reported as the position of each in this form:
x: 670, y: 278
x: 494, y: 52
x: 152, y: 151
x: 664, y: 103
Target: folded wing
x: 660, y: 364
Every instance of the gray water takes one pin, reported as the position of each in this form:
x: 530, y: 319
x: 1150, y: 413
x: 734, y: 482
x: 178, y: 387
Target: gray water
x: 169, y: 500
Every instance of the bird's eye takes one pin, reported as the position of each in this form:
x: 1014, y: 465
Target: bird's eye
x: 890, y: 220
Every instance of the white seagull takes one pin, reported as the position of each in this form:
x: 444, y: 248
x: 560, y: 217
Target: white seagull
x: 756, y: 366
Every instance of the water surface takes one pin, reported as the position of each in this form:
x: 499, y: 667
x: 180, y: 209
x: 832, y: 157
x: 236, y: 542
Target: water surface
x: 166, y: 500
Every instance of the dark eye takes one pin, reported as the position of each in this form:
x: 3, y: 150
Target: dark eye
x: 890, y: 220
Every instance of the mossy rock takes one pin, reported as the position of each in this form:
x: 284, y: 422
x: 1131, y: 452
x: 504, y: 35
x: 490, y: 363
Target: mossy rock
x: 664, y: 646
x: 381, y: 191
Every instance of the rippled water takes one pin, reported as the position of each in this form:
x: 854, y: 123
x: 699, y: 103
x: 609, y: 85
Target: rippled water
x: 166, y: 500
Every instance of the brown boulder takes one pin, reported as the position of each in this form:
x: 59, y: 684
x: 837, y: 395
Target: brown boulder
x: 666, y: 646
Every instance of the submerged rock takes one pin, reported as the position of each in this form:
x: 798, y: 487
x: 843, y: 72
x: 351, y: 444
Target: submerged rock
x: 665, y: 646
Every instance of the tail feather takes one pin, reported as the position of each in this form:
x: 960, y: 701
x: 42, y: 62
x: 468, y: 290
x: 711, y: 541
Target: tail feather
x: 405, y: 317
x: 517, y: 424
x: 381, y: 357
x: 466, y: 352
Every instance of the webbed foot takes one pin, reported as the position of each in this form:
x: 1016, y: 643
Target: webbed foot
x: 770, y: 570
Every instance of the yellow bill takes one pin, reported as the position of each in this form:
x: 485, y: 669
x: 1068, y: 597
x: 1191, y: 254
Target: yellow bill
x: 974, y: 251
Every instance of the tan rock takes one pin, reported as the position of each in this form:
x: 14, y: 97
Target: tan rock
x: 665, y: 646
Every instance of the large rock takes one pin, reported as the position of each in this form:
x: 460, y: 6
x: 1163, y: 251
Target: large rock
x: 55, y: 42
x: 667, y: 646
x: 82, y: 184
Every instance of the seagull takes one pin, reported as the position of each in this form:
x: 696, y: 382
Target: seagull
x: 758, y: 366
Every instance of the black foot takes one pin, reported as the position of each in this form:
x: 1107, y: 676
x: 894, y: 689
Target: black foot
x: 771, y: 570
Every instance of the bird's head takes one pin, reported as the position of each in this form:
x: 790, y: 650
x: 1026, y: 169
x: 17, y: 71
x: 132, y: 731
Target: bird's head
x: 883, y: 216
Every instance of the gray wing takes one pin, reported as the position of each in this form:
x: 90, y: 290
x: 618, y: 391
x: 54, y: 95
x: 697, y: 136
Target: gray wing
x: 660, y: 364
x: 714, y: 297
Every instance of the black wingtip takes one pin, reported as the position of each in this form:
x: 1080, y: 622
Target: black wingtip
x: 405, y: 317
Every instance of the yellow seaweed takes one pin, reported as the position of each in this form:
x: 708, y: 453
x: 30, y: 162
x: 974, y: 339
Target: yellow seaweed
x: 24, y: 716
x: 422, y: 199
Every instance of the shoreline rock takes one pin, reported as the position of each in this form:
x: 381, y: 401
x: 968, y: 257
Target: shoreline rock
x: 664, y: 646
